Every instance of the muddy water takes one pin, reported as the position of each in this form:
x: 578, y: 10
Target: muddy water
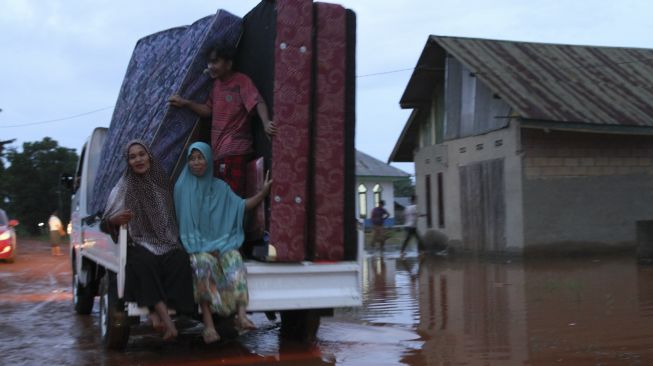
x: 417, y: 311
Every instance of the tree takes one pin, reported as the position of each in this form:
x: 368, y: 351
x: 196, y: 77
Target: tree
x: 33, y: 182
x: 3, y: 189
x: 404, y: 188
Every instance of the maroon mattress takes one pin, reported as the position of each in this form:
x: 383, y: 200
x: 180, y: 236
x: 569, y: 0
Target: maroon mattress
x: 301, y: 56
x: 290, y: 148
x: 327, y: 243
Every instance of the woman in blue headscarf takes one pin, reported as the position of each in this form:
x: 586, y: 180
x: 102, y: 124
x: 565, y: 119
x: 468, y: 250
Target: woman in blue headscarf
x: 210, y: 217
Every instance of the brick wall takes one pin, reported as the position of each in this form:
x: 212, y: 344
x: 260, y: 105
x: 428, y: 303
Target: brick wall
x: 577, y: 154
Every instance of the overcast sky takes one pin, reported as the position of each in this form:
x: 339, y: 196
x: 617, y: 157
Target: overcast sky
x: 62, y: 59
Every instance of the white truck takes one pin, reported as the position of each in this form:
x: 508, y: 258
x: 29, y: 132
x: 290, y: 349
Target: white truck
x: 300, y: 291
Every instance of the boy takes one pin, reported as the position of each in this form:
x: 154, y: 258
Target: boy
x: 379, y: 215
x: 229, y: 105
x: 410, y: 225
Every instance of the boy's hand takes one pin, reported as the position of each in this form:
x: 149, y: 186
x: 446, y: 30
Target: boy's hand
x: 270, y: 128
x: 177, y: 101
x: 267, y: 184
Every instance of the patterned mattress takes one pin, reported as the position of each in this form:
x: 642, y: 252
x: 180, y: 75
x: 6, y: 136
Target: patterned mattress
x: 162, y: 64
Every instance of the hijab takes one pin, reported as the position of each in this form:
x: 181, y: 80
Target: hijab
x: 209, y: 213
x: 149, y: 197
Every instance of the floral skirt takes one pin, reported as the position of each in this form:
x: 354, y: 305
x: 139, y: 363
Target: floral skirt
x: 220, y: 280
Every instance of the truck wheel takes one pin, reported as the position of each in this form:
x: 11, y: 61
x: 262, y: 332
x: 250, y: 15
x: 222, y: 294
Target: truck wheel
x: 114, y: 323
x: 83, y: 296
x: 300, y: 325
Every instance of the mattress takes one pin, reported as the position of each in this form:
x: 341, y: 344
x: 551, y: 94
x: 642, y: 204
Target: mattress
x: 162, y: 64
x: 292, y: 112
x: 326, y: 241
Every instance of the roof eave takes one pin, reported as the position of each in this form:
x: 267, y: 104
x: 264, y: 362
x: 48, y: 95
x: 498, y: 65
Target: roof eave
x: 429, y: 68
x: 405, y: 145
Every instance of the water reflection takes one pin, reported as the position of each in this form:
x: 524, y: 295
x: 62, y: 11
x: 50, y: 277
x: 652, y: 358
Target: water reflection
x: 537, y: 312
x: 417, y: 311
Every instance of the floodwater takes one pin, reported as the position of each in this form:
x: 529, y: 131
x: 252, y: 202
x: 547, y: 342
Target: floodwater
x: 416, y: 311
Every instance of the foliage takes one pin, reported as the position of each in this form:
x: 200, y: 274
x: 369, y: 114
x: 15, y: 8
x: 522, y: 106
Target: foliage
x: 3, y: 188
x: 33, y: 182
x: 404, y: 188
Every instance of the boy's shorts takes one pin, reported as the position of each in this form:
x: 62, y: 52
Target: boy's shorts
x: 233, y: 170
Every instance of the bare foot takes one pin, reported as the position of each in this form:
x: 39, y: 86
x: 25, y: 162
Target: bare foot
x: 170, y: 334
x: 245, y: 323
x: 157, y: 324
x: 210, y: 335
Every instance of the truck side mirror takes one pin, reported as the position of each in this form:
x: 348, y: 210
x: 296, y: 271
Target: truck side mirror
x: 13, y: 223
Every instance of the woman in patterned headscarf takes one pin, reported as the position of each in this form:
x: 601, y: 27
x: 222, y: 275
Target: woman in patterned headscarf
x: 158, y: 271
x: 210, y: 219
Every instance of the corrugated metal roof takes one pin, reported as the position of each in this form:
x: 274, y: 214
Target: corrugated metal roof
x: 371, y: 167
x: 564, y: 83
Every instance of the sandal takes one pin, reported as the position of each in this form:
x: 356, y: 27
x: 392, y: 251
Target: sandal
x: 210, y: 335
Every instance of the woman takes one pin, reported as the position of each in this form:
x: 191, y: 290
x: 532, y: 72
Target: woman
x: 210, y: 219
x: 158, y: 271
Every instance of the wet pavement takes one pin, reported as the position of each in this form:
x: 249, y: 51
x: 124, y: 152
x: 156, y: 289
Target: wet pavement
x: 417, y: 311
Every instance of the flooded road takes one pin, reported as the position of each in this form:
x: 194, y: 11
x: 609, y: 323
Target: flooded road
x: 417, y: 311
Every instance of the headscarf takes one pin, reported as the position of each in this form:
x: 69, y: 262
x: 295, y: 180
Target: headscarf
x: 209, y: 213
x: 149, y: 197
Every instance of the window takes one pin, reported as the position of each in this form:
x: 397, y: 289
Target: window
x: 362, y: 201
x: 377, y: 194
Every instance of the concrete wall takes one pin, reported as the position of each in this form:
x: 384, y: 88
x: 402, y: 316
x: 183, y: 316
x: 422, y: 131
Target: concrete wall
x: 448, y: 157
x: 585, y: 190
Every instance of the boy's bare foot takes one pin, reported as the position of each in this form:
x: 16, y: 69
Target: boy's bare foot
x: 210, y: 335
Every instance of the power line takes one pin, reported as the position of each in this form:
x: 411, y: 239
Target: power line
x: 385, y: 72
x: 105, y: 108
x: 56, y: 120
x: 482, y: 72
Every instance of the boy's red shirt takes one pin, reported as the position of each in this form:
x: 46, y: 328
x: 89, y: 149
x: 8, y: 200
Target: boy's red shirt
x: 231, y: 102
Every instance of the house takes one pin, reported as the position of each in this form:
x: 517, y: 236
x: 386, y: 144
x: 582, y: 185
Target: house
x: 374, y: 182
x: 523, y: 147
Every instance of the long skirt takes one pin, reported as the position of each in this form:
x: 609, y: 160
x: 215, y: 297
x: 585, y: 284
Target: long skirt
x: 55, y: 238
x: 220, y: 280
x: 153, y: 278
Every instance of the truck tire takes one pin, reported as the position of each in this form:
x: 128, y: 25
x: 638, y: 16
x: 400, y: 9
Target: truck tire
x: 300, y: 325
x: 114, y: 322
x: 83, y: 296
